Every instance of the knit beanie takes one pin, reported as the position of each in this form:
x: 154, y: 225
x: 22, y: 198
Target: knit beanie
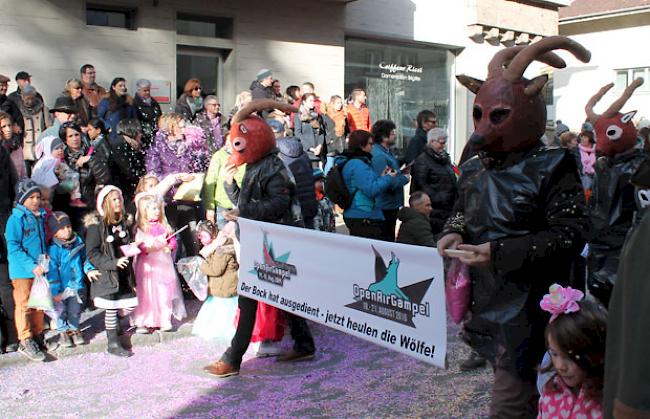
x: 24, y: 189
x: 57, y: 221
x: 263, y: 73
x: 56, y: 143
x: 103, y: 193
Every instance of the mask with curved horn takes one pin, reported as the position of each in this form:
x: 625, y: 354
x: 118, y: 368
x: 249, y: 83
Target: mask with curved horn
x: 251, y: 138
x: 509, y: 111
x: 615, y: 132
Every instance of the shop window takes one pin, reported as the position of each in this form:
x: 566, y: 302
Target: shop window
x: 114, y: 17
x: 207, y: 26
x: 400, y: 81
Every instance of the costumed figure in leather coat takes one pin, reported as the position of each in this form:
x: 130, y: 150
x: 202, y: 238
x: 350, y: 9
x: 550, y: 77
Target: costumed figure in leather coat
x: 265, y: 194
x: 627, y: 370
x: 611, y: 207
x: 520, y: 216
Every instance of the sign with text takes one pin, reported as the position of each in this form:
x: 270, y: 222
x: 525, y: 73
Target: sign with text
x: 390, y: 294
x: 161, y: 90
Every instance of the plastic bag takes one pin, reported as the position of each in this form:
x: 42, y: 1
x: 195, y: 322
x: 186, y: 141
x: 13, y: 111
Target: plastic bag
x: 190, y: 268
x: 458, y: 290
x: 40, y: 297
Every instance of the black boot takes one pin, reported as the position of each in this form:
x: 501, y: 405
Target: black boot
x: 114, y: 345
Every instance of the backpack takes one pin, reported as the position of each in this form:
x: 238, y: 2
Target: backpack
x: 335, y: 187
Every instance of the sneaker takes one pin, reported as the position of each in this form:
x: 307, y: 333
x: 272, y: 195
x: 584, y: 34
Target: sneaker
x: 473, y: 362
x: 12, y: 347
x: 78, y: 338
x: 30, y: 349
x: 221, y: 369
x: 267, y: 349
x: 66, y: 340
x: 78, y: 203
x: 293, y: 356
x: 141, y: 330
x: 46, y: 345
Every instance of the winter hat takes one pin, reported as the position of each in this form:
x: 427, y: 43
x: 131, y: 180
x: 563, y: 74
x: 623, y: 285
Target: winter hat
x: 56, y: 143
x: 587, y: 127
x: 263, y: 73
x: 560, y: 128
x: 28, y: 90
x: 103, y: 193
x: 24, y: 189
x: 57, y: 221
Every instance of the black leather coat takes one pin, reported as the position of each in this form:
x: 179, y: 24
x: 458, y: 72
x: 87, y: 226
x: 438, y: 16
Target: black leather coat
x: 531, y: 210
x: 265, y: 193
x: 611, y: 213
x: 433, y: 174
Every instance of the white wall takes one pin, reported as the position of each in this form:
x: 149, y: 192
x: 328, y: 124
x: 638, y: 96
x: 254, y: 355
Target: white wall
x: 610, y: 50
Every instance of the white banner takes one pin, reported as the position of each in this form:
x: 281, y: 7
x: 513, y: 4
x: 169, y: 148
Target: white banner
x: 390, y: 294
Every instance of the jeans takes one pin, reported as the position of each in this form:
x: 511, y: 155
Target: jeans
x: 69, y: 311
x: 363, y: 227
x: 388, y: 228
x: 328, y: 164
x: 303, y: 340
x: 180, y: 215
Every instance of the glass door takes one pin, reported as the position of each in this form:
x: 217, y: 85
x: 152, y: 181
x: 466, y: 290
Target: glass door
x: 205, y: 64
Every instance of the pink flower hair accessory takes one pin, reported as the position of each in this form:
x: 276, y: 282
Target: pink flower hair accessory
x: 561, y: 300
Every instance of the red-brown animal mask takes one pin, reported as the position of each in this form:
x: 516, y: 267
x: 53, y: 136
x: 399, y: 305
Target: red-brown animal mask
x: 251, y: 137
x: 509, y: 111
x: 615, y: 132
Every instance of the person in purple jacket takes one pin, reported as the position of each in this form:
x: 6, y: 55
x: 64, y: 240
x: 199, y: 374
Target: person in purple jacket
x: 176, y: 149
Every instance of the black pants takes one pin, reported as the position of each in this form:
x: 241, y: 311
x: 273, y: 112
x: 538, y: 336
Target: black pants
x: 303, y: 342
x: 180, y: 215
x: 363, y: 227
x: 388, y: 228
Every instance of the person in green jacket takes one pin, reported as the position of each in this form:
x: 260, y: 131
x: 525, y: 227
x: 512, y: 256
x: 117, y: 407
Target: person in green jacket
x: 215, y: 198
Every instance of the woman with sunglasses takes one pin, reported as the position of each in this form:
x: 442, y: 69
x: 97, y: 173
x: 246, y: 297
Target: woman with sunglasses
x: 191, y: 102
x: 74, y: 90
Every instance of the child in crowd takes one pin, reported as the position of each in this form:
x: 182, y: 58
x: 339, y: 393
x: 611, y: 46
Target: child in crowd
x: 52, y: 172
x: 68, y: 264
x: 575, y: 337
x: 151, y: 183
x: 25, y: 234
x: 159, y: 292
x: 114, y: 289
x: 324, y: 220
x: 216, y: 319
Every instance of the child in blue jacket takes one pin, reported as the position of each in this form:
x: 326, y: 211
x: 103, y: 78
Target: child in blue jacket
x: 25, y: 234
x: 68, y: 264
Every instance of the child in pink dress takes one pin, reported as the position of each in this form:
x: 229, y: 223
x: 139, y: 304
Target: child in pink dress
x: 575, y: 337
x: 159, y: 292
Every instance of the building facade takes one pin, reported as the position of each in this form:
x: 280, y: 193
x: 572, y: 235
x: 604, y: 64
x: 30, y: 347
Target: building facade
x: 613, y: 30
x: 405, y: 53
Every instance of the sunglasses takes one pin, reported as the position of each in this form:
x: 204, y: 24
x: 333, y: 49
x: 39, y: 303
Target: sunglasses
x: 197, y: 88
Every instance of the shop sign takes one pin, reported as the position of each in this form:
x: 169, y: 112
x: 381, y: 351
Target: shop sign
x: 395, y: 71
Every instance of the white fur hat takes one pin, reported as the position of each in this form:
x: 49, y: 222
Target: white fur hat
x: 103, y: 194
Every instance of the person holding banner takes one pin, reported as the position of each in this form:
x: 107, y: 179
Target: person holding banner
x: 264, y: 195
x: 518, y: 221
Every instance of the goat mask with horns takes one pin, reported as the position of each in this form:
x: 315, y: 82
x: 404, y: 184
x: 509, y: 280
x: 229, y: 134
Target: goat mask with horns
x: 615, y: 132
x: 251, y: 137
x: 509, y: 111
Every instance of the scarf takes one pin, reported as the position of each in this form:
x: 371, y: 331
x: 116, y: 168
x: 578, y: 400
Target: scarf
x: 588, y: 159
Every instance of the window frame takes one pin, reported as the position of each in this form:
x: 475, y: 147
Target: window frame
x: 129, y: 12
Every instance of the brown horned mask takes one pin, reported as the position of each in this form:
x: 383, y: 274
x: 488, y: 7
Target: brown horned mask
x: 509, y: 111
x: 615, y: 132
